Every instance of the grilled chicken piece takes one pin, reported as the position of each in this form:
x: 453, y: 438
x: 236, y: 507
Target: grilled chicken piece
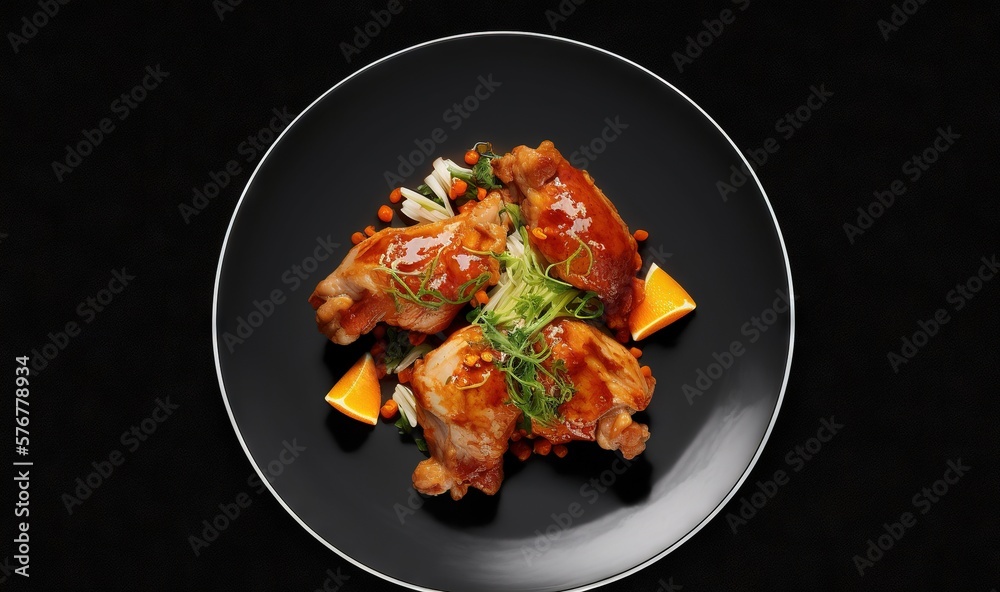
x: 438, y: 256
x: 609, y: 389
x: 570, y: 211
x: 465, y: 415
x: 468, y: 420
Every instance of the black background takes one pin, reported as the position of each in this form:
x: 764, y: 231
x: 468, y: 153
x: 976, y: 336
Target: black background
x: 60, y: 241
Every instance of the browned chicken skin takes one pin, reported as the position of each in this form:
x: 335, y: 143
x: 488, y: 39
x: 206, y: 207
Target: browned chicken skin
x: 569, y: 210
x: 359, y: 293
x: 609, y: 389
x: 466, y: 418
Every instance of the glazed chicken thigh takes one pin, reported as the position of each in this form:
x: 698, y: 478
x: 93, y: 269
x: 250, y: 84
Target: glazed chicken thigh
x: 434, y: 263
x: 466, y: 418
x: 609, y: 389
x: 571, y: 221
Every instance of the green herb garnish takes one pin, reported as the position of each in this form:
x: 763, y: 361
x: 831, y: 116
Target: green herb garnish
x: 427, y: 192
x: 482, y: 173
x: 405, y: 429
x: 512, y: 322
x: 397, y: 348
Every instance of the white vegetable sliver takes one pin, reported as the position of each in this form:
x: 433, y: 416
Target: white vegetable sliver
x: 412, y: 356
x: 404, y: 408
x: 514, y: 244
x: 447, y: 206
x: 443, y: 177
x: 451, y: 164
x: 419, y: 207
x: 415, y: 212
x: 407, y: 403
x: 498, y: 292
x: 412, y: 213
x: 439, y: 190
x: 418, y: 212
x: 441, y: 172
x: 505, y: 285
x: 422, y: 201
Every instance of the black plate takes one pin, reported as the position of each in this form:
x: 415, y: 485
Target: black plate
x: 556, y: 524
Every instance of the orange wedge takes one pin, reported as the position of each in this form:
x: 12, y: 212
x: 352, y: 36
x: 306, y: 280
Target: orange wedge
x: 665, y: 302
x: 357, y: 394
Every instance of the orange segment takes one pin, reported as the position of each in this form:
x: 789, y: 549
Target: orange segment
x: 665, y: 302
x: 357, y: 394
